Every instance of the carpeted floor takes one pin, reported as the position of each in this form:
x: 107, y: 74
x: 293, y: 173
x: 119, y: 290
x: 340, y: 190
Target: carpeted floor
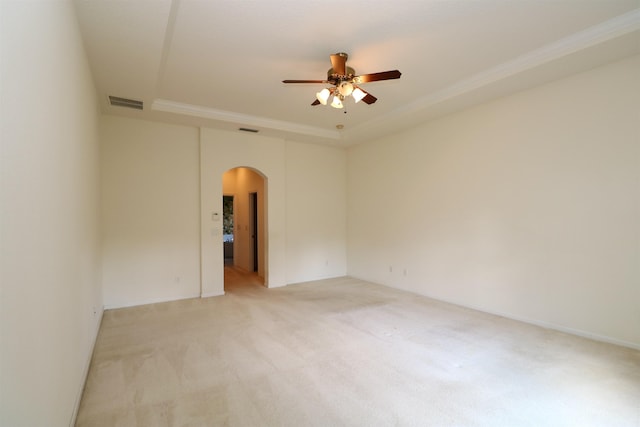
x: 343, y: 352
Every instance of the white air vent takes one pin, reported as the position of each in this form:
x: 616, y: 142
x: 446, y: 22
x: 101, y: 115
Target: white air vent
x: 124, y: 102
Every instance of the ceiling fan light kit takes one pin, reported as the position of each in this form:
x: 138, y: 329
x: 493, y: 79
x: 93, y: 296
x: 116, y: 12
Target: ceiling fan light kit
x: 358, y: 94
x: 323, y: 96
x: 345, y: 83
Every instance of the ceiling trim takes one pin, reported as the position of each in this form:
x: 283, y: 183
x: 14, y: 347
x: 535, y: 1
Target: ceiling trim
x: 609, y: 30
x: 168, y: 106
x: 592, y: 36
x: 168, y: 39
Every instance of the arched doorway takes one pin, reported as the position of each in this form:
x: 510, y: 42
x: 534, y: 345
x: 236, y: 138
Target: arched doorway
x: 244, y: 225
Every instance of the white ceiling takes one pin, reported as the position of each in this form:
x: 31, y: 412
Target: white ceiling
x: 220, y: 63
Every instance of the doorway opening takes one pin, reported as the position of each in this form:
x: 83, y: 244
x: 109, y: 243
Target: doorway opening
x: 253, y: 222
x: 244, y: 227
x: 227, y: 229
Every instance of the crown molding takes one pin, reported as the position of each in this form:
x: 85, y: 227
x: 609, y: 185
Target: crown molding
x: 608, y: 30
x: 616, y: 27
x: 590, y: 37
x: 168, y: 106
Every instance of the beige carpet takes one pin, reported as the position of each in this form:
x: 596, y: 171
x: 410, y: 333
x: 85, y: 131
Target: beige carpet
x: 343, y: 352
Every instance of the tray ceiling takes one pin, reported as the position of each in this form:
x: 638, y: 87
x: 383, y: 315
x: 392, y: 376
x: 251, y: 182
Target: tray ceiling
x: 221, y: 64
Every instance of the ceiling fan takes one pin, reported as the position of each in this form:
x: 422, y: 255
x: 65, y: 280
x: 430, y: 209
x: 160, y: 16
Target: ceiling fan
x: 346, y: 83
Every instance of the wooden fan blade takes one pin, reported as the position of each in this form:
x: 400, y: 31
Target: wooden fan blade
x: 374, y: 77
x: 338, y: 63
x: 316, y: 102
x: 305, y: 81
x: 369, y: 99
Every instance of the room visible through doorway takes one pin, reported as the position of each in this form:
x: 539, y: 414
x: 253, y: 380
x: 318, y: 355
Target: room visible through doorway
x: 244, y: 223
x: 227, y: 229
x: 253, y: 222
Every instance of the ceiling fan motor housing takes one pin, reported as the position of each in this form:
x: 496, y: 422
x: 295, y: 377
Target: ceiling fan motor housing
x: 335, y: 78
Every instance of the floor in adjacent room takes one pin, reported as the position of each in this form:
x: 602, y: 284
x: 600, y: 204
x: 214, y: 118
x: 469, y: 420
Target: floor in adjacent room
x: 343, y: 352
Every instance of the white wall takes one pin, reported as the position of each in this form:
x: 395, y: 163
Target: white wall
x: 316, y: 206
x: 161, y: 183
x: 150, y: 211
x: 305, y: 199
x: 51, y: 301
x: 528, y: 206
x: 219, y: 152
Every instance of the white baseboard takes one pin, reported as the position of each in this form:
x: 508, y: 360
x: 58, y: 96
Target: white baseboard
x: 149, y: 301
x: 548, y: 325
x: 540, y: 323
x: 85, y: 373
x: 571, y: 331
x: 212, y: 294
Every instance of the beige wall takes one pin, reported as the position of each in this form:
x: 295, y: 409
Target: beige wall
x: 51, y: 301
x: 219, y: 152
x: 316, y: 206
x: 150, y: 211
x: 161, y: 184
x: 527, y: 206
